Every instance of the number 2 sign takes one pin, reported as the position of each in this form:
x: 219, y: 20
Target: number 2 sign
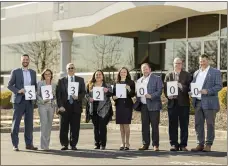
x: 98, y: 93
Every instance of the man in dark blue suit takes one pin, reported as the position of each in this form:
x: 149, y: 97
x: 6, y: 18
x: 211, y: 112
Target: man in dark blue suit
x: 19, y: 78
x: 210, y: 81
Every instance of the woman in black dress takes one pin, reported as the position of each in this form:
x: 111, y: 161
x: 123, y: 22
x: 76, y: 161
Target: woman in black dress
x: 124, y: 106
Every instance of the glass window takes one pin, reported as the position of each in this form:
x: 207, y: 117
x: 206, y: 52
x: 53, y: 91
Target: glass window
x: 180, y: 51
x: 174, y: 30
x: 211, y: 49
x: 223, y: 25
x: 204, y: 25
x: 223, y: 58
x: 194, y: 51
x: 224, y: 79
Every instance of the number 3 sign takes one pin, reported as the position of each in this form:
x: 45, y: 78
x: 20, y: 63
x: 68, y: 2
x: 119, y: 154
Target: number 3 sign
x: 73, y: 88
x: 141, y: 89
x: 46, y: 92
x: 98, y: 93
x: 172, y: 88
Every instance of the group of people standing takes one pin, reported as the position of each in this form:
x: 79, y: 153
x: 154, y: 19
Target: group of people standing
x: 69, y: 107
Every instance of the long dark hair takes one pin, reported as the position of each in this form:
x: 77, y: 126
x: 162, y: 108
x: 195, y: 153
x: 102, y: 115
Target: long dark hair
x: 128, y: 77
x: 93, y: 80
x: 42, y: 74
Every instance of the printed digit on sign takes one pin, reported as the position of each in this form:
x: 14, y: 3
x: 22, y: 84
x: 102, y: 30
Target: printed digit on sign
x: 141, y: 91
x: 172, y: 92
x: 98, y: 94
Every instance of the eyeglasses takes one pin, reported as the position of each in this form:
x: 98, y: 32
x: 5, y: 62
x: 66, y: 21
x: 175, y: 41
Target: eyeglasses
x: 178, y: 63
x: 71, y: 68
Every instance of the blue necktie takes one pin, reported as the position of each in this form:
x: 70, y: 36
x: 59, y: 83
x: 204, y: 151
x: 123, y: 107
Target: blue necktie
x: 71, y: 98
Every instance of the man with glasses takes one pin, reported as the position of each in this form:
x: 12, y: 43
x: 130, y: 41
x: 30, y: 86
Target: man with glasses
x: 70, y: 108
x: 178, y: 106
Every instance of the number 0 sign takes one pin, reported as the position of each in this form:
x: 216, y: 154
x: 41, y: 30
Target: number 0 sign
x: 98, y: 93
x: 195, y: 88
x: 141, y: 89
x: 172, y: 88
x: 46, y: 92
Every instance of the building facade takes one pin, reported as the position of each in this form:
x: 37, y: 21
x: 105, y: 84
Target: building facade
x: 113, y: 34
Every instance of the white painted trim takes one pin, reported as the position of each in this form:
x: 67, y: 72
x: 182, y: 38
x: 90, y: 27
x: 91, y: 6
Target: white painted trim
x: 18, y: 5
x: 86, y: 21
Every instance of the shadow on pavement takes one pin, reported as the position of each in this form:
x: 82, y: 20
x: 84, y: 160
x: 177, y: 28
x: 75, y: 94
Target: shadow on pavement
x: 116, y: 154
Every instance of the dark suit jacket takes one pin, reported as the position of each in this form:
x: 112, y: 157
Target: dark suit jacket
x: 183, y: 97
x: 128, y: 100
x: 16, y: 83
x: 62, y: 93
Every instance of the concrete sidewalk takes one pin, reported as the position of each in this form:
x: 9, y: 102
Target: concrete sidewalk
x: 86, y: 155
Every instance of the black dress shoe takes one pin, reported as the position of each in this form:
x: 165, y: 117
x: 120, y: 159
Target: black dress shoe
x: 103, y: 148
x: 121, y: 148
x: 174, y: 148
x: 64, y: 148
x: 73, y: 148
x: 126, y: 148
x: 144, y: 147
x: 31, y: 147
x: 96, y: 147
x: 15, y: 149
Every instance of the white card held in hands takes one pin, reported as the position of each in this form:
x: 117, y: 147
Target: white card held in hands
x: 141, y: 89
x: 172, y: 88
x: 73, y: 88
x: 46, y: 92
x: 30, y: 93
x: 98, y: 93
x: 195, y: 89
x: 121, y: 91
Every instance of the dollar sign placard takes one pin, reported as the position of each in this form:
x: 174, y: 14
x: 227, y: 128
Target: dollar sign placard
x: 30, y: 93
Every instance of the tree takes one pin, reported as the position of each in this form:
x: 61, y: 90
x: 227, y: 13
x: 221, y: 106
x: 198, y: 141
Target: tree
x: 130, y: 61
x: 108, y: 52
x: 43, y: 54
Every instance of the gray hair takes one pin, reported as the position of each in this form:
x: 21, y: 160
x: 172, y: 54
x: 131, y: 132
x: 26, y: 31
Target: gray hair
x: 67, y: 66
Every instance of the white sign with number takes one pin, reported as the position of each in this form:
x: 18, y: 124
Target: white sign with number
x: 141, y: 89
x: 121, y: 91
x: 30, y: 92
x: 73, y: 88
x: 195, y: 89
x: 172, y: 88
x: 98, y: 93
x: 46, y: 92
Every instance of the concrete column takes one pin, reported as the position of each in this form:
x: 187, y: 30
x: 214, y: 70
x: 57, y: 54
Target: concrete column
x: 66, y: 38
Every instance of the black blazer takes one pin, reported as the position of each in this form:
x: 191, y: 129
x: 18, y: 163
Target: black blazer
x: 183, y: 97
x: 128, y: 100
x: 62, y: 95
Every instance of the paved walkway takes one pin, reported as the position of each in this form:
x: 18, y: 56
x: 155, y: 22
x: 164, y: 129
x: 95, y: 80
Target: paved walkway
x: 112, y: 156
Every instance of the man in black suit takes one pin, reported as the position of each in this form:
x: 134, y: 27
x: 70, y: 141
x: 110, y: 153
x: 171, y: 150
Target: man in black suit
x: 178, y: 106
x: 70, y: 108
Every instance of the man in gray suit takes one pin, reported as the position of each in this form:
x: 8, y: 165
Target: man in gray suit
x: 19, y: 78
x: 150, y: 107
x: 207, y: 105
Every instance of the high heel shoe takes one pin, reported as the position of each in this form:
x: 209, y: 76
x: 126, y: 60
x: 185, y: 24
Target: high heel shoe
x: 127, y: 147
x: 122, y: 147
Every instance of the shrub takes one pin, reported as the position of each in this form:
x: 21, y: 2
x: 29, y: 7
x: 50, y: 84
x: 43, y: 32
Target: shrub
x: 5, y: 100
x: 223, y: 97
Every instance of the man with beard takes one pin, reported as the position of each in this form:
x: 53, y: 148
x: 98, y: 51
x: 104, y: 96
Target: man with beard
x: 20, y: 78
